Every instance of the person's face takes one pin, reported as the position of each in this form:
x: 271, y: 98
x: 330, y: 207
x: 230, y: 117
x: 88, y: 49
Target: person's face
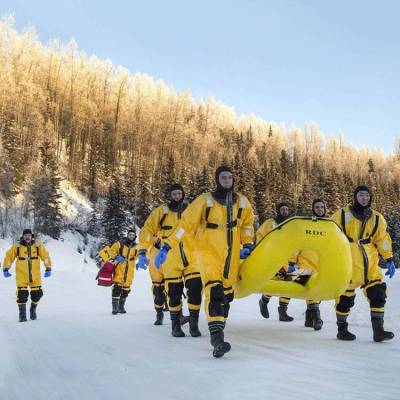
x: 176, y: 195
x: 363, y: 197
x: 226, y: 179
x: 27, y: 237
x: 284, y: 211
x: 319, y: 209
x: 131, y: 236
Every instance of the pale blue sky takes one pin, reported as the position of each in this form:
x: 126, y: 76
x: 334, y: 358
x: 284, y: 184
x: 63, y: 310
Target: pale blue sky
x: 333, y: 62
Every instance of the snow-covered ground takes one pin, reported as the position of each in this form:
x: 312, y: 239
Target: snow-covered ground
x: 75, y: 207
x: 78, y: 350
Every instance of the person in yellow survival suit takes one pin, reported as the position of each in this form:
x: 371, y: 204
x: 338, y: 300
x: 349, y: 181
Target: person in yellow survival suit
x: 180, y: 268
x: 150, y: 237
x: 366, y: 230
x: 28, y: 254
x: 157, y: 282
x: 218, y: 223
x: 149, y: 243
x: 282, y: 214
x: 308, y: 260
x: 123, y: 255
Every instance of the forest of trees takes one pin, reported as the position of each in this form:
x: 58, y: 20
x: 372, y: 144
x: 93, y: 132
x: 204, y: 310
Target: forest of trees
x: 63, y: 113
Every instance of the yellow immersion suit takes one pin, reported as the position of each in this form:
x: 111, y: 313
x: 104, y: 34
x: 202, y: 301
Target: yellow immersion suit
x: 263, y: 230
x: 368, y: 239
x: 124, y: 272
x: 309, y: 260
x: 157, y: 279
x: 28, y: 268
x: 180, y: 268
x: 218, y: 232
x: 150, y: 241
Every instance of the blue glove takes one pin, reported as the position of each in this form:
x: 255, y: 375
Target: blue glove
x: 245, y: 252
x: 6, y: 273
x: 391, y: 269
x: 292, y: 267
x: 143, y: 262
x: 161, y: 256
x: 47, y: 273
x: 120, y: 259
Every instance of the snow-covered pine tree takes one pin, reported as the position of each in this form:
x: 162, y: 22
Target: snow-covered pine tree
x: 7, y: 193
x: 202, y: 182
x: 114, y: 218
x: 143, y: 197
x: 332, y: 185
x: 260, y: 192
x: 191, y: 188
x: 305, y: 200
x: 45, y: 194
x: 93, y: 224
x: 243, y: 164
x: 168, y: 177
x: 12, y: 153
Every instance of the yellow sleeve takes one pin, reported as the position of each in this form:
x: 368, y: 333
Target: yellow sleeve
x: 44, y: 256
x: 382, y: 239
x: 247, y: 228
x: 191, y: 219
x: 337, y: 217
x: 263, y: 230
x: 11, y: 255
x: 108, y: 253
x: 105, y: 254
x: 150, y: 229
x: 114, y: 250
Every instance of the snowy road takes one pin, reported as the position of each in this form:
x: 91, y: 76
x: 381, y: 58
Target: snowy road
x: 78, y: 350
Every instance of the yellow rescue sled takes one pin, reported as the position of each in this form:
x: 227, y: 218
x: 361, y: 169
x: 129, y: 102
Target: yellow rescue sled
x: 295, y: 234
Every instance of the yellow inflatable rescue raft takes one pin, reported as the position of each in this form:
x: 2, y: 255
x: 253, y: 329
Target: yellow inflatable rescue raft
x: 295, y: 234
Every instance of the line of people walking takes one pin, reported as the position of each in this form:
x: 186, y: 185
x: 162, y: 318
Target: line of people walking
x: 197, y: 248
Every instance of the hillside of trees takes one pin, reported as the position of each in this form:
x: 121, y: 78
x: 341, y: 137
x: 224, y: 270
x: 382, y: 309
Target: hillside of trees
x: 65, y: 114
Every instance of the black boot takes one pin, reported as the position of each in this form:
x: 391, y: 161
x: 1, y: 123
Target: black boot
x: 32, y: 311
x: 183, y: 318
x: 121, y: 308
x: 159, y: 317
x: 343, y: 333
x: 22, y: 312
x: 115, y: 306
x: 380, y: 334
x: 176, y: 325
x: 316, y: 318
x: 217, y: 341
x: 263, y: 303
x: 283, y: 315
x: 308, y: 321
x: 194, y: 323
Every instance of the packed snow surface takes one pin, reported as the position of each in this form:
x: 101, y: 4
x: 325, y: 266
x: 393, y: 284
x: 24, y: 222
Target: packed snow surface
x: 77, y: 350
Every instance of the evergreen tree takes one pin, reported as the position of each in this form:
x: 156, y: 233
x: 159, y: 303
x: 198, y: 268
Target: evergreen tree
x: 191, y: 188
x: 202, y: 182
x: 114, y: 217
x: 143, y: 198
x: 7, y: 194
x: 285, y: 177
x: 45, y: 194
x: 13, y: 153
x: 305, y: 200
x: 168, y: 177
x: 93, y: 225
x: 260, y: 192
